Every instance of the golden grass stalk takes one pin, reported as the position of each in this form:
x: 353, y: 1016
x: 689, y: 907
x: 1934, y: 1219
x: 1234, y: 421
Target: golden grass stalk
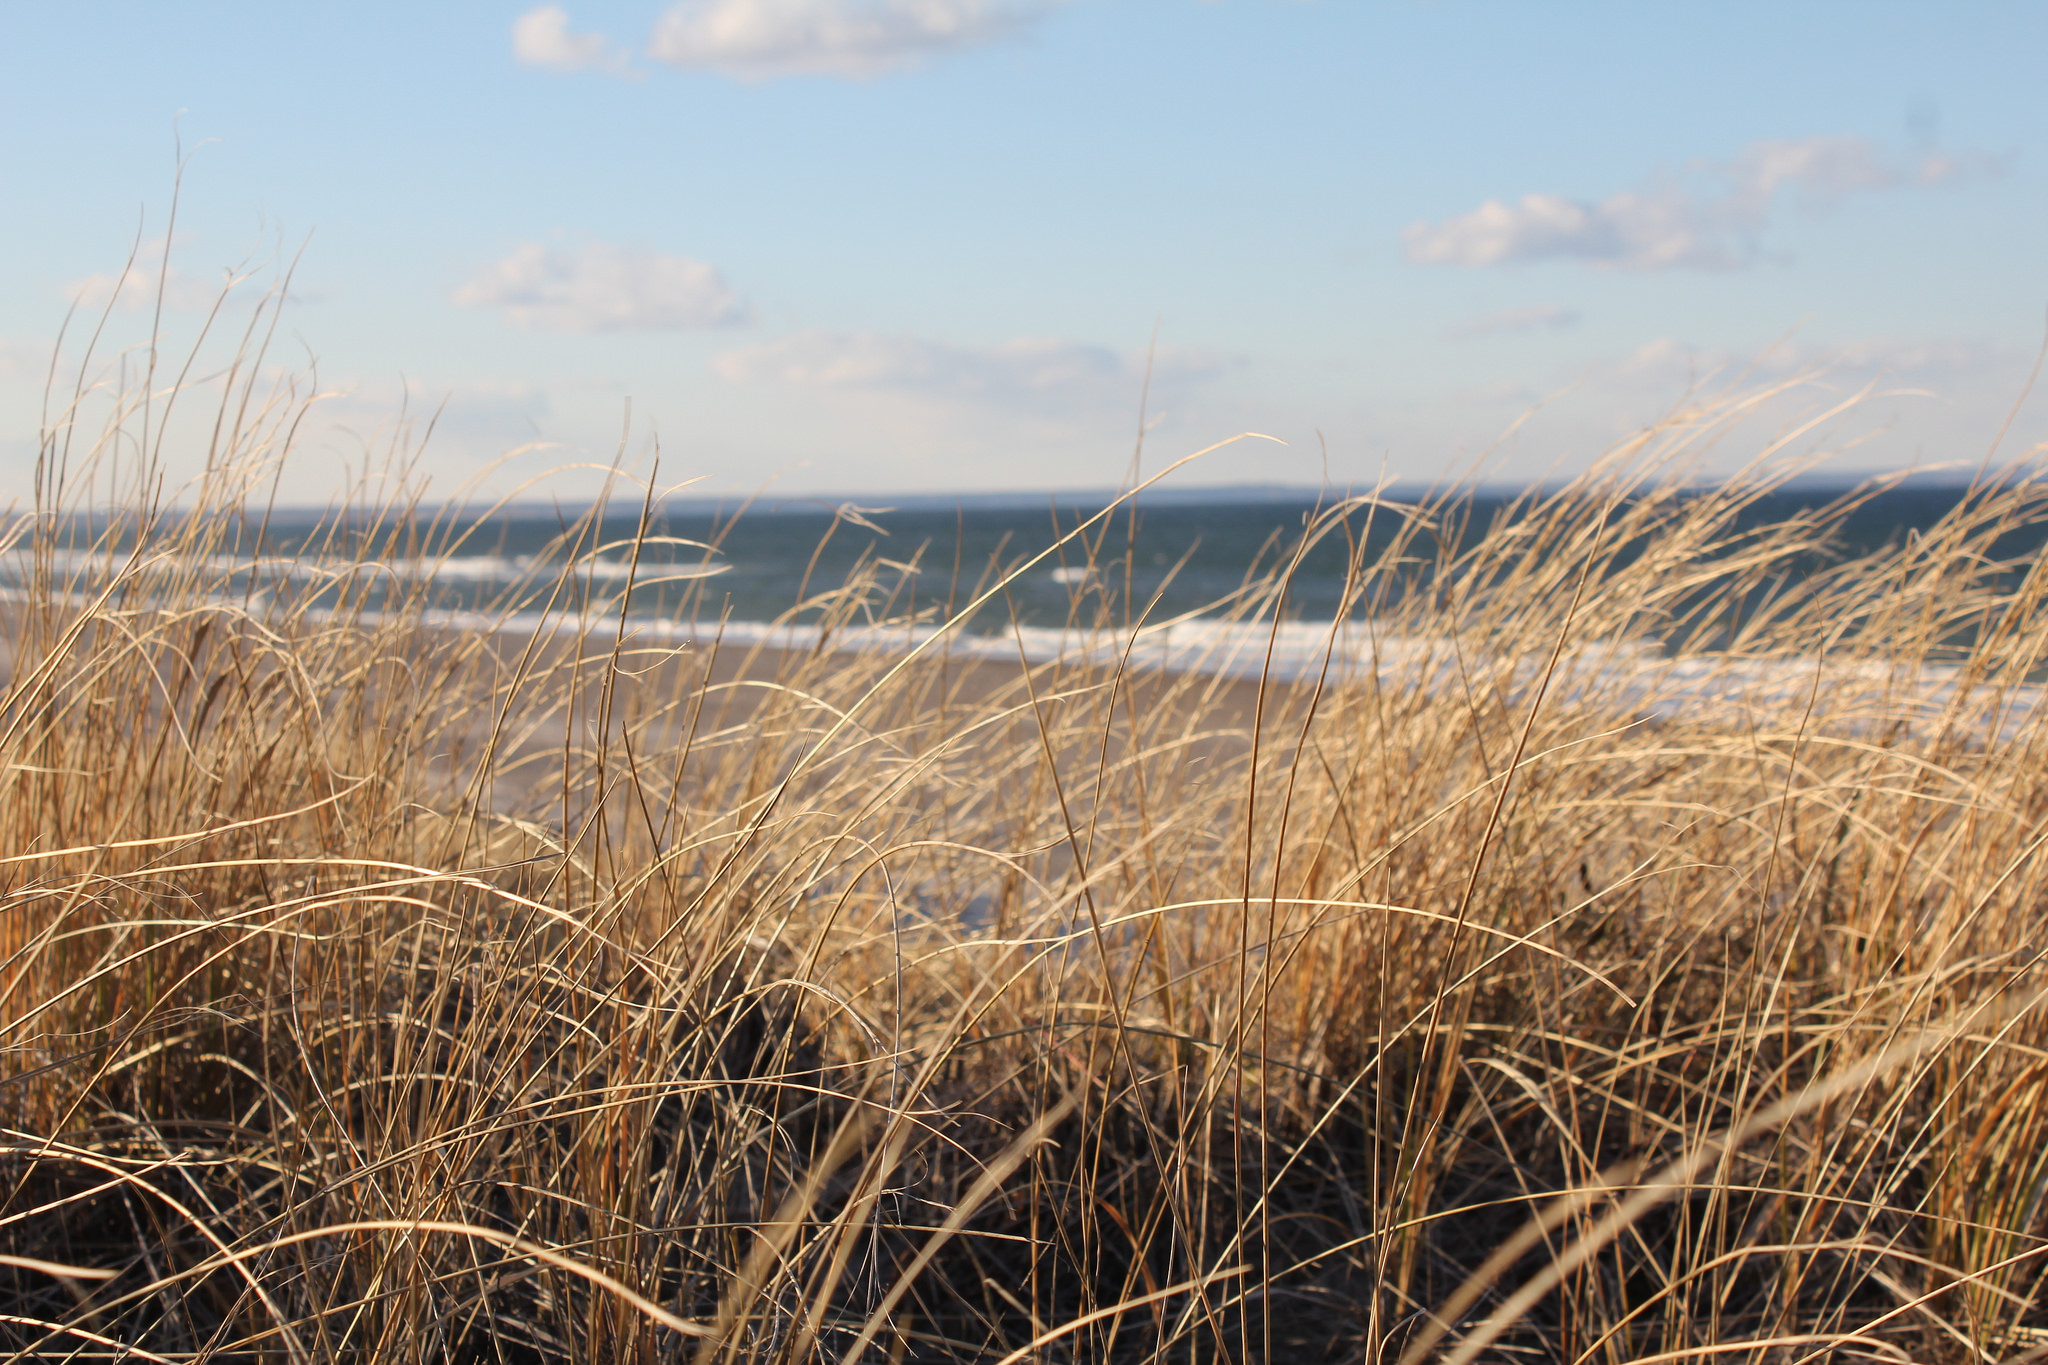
x: 1622, y: 942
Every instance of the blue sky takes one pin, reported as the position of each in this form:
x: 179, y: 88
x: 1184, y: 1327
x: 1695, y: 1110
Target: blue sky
x: 868, y: 246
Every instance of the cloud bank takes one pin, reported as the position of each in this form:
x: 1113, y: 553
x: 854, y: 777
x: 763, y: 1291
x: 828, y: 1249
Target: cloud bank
x: 1026, y: 372
x: 1667, y: 363
x: 758, y: 40
x: 600, y: 287
x: 1706, y: 218
x: 1660, y: 371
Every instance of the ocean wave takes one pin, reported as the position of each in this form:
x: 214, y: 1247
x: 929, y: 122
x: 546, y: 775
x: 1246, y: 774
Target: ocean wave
x: 17, y: 564
x: 1634, y: 677
x: 1630, y: 676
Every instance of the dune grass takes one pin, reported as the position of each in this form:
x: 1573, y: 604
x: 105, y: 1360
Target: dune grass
x: 377, y: 989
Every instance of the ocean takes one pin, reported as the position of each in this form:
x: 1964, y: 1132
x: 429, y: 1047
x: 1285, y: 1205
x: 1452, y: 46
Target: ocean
x: 1160, y: 576
x: 758, y: 563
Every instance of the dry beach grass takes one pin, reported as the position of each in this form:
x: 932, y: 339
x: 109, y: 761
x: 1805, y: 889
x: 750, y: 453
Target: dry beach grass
x: 373, y: 990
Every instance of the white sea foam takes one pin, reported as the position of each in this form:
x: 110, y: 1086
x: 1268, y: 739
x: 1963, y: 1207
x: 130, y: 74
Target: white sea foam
x: 1632, y: 677
x: 503, y: 570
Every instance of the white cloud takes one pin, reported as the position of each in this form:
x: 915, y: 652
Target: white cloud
x: 1026, y: 372
x: 506, y: 407
x: 758, y: 40
x: 1512, y: 320
x: 1826, y: 168
x: 1629, y: 229
x: 23, y: 360
x: 1668, y: 362
x: 600, y: 287
x: 1707, y: 217
x: 542, y: 37
x: 458, y: 428
x: 1904, y: 359
x: 1929, y: 400
x: 1942, y: 168
x: 1625, y: 391
x: 135, y: 288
